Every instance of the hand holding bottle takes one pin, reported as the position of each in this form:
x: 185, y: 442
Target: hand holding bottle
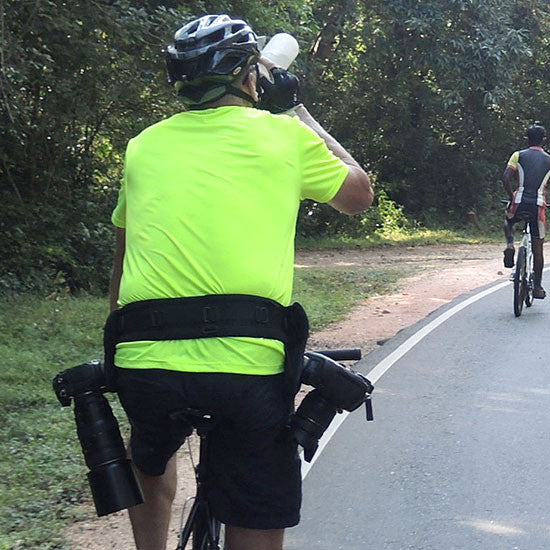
x: 278, y: 88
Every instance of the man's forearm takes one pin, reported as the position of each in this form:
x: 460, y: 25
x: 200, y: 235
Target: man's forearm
x: 507, y: 179
x: 304, y: 115
x: 118, y: 260
x: 508, y: 188
x: 114, y: 287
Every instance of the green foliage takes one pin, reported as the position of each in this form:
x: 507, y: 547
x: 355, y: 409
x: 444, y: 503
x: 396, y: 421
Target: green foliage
x: 392, y: 219
x: 385, y: 218
x: 491, y: 231
x: 51, y: 248
x: 78, y: 79
x: 431, y: 97
x: 427, y: 96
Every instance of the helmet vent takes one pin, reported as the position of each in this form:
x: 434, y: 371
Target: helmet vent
x: 217, y: 36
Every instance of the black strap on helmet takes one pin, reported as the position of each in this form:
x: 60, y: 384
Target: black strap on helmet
x: 240, y: 93
x: 203, y: 96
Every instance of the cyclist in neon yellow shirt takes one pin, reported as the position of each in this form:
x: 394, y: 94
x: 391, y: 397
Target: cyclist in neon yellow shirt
x: 208, y: 206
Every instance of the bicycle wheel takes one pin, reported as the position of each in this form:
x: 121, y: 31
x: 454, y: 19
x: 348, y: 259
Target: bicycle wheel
x: 520, y: 283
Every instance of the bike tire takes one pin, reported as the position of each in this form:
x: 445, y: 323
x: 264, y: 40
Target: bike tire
x: 520, y: 284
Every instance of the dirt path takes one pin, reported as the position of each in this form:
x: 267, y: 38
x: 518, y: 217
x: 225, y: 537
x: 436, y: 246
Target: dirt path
x: 445, y: 272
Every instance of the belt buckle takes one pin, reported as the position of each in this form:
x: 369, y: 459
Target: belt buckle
x: 261, y: 315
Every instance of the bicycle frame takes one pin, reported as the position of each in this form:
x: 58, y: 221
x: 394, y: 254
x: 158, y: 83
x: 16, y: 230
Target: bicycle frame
x: 200, y: 511
x: 526, y: 242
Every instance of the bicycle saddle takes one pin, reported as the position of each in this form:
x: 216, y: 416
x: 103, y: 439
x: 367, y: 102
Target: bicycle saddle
x: 199, y: 419
x: 524, y: 216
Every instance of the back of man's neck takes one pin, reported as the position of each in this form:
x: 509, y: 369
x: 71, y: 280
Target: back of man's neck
x: 227, y: 100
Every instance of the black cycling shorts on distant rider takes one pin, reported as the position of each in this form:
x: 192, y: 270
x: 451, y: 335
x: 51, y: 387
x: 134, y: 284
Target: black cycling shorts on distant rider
x: 253, y: 463
x: 536, y: 216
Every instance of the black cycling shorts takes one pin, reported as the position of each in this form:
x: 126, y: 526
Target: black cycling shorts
x: 535, y: 215
x: 253, y: 462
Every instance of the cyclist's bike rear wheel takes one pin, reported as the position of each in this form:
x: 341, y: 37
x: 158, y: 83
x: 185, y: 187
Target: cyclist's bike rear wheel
x: 520, y: 282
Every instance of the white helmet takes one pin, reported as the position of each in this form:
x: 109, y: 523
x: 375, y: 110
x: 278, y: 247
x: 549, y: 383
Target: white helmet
x: 211, y: 46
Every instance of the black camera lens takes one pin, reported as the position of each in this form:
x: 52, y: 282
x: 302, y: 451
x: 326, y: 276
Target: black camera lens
x: 310, y: 421
x: 336, y: 387
x: 111, y: 476
x: 344, y: 388
x: 114, y: 487
x: 97, y: 430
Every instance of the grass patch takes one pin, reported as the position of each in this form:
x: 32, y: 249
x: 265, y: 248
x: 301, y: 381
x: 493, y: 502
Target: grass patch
x: 401, y: 238
x: 42, y: 471
x: 41, y: 465
x: 328, y: 294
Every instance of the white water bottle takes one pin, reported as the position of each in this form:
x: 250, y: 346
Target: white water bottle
x: 282, y: 49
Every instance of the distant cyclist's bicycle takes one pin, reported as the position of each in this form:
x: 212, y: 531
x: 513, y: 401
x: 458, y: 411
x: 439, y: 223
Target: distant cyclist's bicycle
x: 523, y: 273
x: 199, y: 529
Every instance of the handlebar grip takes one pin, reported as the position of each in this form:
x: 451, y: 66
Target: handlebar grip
x: 352, y: 354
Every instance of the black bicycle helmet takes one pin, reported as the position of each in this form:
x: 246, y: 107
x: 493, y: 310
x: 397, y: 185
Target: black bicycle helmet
x: 207, y: 53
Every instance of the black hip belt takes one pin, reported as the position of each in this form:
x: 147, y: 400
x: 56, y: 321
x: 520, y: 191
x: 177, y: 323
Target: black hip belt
x: 238, y: 315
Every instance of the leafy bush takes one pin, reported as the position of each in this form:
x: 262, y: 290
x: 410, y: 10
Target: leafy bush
x: 54, y: 248
x: 431, y: 97
x: 384, y: 218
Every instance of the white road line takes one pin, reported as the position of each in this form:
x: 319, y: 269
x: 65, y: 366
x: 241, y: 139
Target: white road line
x: 379, y: 370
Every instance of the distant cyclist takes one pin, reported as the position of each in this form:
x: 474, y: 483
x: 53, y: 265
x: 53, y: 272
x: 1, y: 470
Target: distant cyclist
x: 530, y: 168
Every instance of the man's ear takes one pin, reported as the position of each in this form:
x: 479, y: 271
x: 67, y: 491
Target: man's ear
x: 249, y: 83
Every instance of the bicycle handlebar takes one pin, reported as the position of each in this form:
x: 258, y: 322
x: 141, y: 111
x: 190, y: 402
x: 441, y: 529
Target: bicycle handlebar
x: 350, y: 354
x: 507, y: 202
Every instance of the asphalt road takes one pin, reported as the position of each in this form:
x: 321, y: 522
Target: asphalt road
x: 457, y: 457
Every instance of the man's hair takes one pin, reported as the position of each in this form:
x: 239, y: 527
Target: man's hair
x: 536, y: 135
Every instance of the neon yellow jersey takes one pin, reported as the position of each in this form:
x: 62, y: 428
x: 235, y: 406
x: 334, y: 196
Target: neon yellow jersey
x: 514, y: 160
x: 209, y: 200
